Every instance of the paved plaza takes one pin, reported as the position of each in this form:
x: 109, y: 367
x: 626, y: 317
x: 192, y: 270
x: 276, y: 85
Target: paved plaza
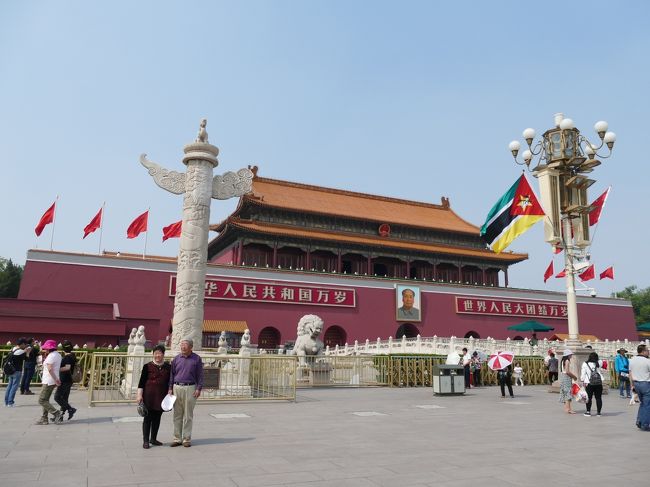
x: 335, y: 437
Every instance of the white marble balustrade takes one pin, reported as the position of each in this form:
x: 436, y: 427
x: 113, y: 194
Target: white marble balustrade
x: 443, y: 345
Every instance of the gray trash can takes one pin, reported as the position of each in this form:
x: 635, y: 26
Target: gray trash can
x: 448, y: 379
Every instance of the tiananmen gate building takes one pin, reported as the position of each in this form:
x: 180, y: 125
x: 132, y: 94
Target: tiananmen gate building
x: 291, y: 249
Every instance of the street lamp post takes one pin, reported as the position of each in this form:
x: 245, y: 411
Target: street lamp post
x: 562, y: 158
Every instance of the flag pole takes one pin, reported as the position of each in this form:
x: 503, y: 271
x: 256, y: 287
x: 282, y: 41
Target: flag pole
x: 101, y: 229
x: 54, y: 222
x: 146, y: 235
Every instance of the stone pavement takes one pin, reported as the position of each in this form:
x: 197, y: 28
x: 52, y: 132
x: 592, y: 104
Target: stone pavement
x: 335, y: 437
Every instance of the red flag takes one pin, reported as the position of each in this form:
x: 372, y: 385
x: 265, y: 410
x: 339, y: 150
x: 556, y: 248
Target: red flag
x: 138, y: 225
x: 561, y: 274
x: 588, y: 274
x: 94, y: 224
x: 557, y: 249
x: 598, y: 205
x: 172, y: 231
x: 609, y: 272
x: 549, y: 271
x: 46, y: 219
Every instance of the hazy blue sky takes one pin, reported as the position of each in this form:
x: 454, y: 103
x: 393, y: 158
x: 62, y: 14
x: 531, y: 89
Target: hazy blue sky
x: 415, y: 100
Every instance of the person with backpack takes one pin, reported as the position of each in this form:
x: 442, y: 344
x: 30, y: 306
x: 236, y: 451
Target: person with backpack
x: 13, y: 370
x: 593, y: 381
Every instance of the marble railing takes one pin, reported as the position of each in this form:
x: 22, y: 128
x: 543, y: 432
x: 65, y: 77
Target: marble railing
x: 444, y: 345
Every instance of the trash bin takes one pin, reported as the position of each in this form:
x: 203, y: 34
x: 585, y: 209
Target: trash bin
x: 448, y: 379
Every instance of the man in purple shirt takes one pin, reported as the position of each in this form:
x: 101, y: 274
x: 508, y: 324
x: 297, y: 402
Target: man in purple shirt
x: 185, y: 382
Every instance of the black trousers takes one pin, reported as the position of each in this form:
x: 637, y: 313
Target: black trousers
x: 150, y: 425
x: 505, y: 381
x: 62, y: 394
x: 28, y: 372
x: 594, y: 391
x: 552, y: 376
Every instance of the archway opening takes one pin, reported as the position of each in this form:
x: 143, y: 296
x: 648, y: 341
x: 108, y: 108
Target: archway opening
x: 472, y: 334
x: 334, y: 335
x: 409, y: 330
x: 269, y: 338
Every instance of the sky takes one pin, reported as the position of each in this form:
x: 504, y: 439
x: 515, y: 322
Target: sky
x: 410, y: 99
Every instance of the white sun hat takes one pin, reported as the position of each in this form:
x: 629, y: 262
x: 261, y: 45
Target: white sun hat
x: 168, y: 402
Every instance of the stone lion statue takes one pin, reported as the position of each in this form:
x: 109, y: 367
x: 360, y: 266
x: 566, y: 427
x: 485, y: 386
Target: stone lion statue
x: 307, y: 343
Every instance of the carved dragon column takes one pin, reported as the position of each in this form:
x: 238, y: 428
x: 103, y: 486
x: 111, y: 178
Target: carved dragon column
x: 198, y: 187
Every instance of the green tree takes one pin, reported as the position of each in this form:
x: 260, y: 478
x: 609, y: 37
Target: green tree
x: 640, y: 299
x: 10, y: 276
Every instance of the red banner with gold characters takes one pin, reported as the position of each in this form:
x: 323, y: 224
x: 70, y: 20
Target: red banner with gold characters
x: 274, y: 293
x: 509, y: 307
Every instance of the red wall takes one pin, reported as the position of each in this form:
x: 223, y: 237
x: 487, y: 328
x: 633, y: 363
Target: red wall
x: 78, y: 322
x: 144, y: 294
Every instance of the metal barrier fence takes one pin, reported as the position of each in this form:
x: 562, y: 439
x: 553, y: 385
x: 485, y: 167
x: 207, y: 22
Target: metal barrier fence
x: 343, y: 371
x: 417, y: 370
x: 114, y: 378
x: 79, y: 377
x: 395, y: 371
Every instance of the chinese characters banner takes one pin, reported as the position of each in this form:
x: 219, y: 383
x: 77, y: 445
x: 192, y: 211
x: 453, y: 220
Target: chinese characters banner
x: 274, y: 293
x: 499, y: 307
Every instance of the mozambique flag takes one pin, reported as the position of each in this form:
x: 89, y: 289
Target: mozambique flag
x: 514, y: 213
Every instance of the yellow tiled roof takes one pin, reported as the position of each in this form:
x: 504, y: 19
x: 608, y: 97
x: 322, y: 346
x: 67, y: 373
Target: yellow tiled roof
x: 217, y: 326
x: 381, y: 209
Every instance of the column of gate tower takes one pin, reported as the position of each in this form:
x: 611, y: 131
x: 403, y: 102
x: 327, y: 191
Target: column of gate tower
x: 198, y: 187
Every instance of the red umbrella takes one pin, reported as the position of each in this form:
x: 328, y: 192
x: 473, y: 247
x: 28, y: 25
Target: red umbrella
x: 500, y: 360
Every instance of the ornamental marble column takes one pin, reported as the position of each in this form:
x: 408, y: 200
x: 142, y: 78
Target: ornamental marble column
x: 198, y: 187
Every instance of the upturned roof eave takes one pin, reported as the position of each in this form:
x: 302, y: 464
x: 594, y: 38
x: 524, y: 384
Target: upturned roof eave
x: 501, y: 258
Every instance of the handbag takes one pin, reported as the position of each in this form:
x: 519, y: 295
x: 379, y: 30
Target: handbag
x: 142, y: 409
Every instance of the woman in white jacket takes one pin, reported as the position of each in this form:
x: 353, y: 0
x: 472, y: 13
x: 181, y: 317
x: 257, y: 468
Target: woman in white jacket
x: 592, y: 378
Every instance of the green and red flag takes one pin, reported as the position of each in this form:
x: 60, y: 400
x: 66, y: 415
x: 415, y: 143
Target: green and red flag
x: 515, y: 212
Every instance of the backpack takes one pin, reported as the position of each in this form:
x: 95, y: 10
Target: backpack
x: 595, y: 379
x: 8, y: 367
